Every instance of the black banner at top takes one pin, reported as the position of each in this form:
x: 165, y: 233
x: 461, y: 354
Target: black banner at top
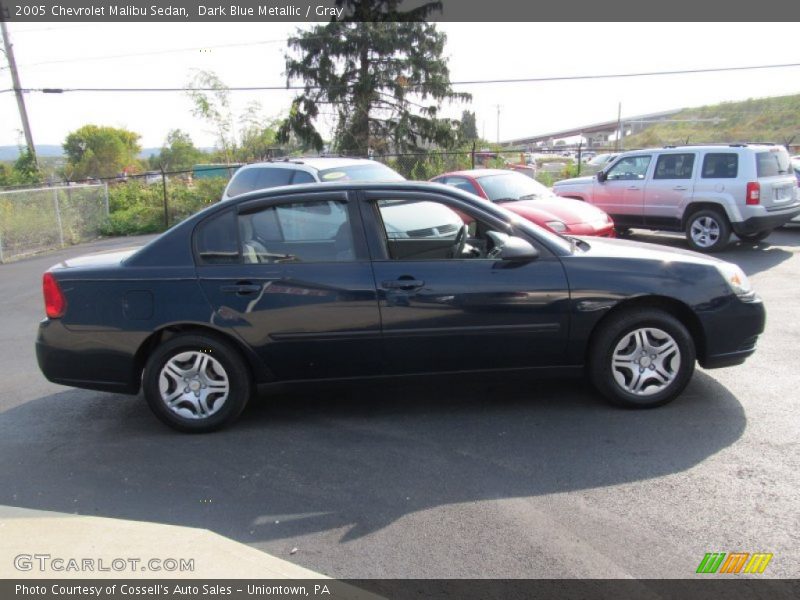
x: 488, y: 11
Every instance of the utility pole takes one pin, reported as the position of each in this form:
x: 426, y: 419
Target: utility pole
x: 498, y: 124
x: 23, y: 114
x: 619, y: 127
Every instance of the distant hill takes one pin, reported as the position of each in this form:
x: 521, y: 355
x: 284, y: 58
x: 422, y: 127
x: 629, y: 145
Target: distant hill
x: 774, y: 119
x: 44, y: 150
x: 10, y: 153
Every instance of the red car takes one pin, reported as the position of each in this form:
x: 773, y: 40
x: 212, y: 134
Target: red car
x: 531, y: 200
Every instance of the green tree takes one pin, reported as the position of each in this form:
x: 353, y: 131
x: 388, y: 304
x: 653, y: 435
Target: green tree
x: 212, y: 102
x: 468, y: 128
x: 379, y: 73
x: 177, y: 153
x: 100, y: 151
x: 23, y: 172
x: 257, y: 135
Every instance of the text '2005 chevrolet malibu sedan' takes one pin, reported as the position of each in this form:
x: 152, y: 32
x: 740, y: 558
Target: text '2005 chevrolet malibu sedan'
x: 338, y: 281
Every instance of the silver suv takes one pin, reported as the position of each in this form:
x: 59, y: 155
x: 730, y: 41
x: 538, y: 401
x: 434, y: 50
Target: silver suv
x: 705, y: 191
x: 292, y: 171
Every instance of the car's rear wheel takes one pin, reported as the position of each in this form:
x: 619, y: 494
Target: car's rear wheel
x: 196, y: 383
x: 708, y: 230
x: 752, y: 238
x: 641, y: 358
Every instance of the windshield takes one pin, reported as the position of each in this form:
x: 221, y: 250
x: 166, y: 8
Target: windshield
x: 600, y: 159
x: 772, y: 163
x: 361, y: 172
x: 512, y: 186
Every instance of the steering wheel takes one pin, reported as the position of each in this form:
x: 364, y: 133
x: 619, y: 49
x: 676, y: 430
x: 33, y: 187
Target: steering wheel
x: 460, y: 242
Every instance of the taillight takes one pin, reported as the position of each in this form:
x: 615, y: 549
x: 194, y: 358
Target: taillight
x: 55, y: 305
x: 753, y: 193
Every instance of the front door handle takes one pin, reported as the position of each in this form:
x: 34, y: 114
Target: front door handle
x: 680, y: 188
x: 403, y: 284
x: 241, y: 288
x: 634, y: 187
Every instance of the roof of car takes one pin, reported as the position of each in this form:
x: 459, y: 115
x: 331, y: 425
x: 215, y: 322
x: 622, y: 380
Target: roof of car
x: 717, y: 147
x: 315, y: 162
x: 476, y: 173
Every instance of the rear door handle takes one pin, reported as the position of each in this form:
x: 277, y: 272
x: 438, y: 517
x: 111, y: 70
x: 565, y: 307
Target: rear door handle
x: 403, y: 284
x: 680, y: 188
x: 241, y: 288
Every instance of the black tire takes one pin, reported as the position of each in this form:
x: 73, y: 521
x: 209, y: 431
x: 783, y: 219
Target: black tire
x: 623, y: 232
x: 620, y: 326
x: 752, y: 238
x: 225, y: 357
x: 720, y: 222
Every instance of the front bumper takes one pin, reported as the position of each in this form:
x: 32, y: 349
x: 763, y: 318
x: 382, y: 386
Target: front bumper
x: 731, y: 333
x: 604, y: 230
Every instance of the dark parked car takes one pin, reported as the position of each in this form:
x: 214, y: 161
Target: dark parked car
x: 266, y: 289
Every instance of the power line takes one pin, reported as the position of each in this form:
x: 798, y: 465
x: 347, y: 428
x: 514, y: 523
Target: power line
x: 151, y: 53
x: 470, y: 82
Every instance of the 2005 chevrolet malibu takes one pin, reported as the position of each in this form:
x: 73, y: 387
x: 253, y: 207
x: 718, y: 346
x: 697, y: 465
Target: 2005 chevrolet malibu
x: 342, y: 281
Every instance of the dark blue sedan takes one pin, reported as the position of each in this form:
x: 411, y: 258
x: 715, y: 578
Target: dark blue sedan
x: 340, y: 281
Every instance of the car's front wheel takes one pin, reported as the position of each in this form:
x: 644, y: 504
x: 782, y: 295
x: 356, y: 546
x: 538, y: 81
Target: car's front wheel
x: 708, y: 230
x: 641, y: 358
x: 196, y: 383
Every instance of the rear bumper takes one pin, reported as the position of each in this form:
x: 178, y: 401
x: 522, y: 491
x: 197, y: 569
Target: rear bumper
x: 82, y: 360
x: 731, y: 333
x: 768, y: 220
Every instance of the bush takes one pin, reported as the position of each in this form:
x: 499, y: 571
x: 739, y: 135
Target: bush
x: 136, y: 208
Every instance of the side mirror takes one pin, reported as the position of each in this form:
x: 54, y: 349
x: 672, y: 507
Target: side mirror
x: 601, y: 176
x: 518, y: 249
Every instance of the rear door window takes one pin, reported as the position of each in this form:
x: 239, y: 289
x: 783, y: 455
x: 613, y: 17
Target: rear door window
x: 721, y: 165
x: 315, y: 231
x: 674, y: 166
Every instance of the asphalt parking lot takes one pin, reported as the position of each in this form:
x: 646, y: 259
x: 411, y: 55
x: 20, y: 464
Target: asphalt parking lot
x: 479, y: 477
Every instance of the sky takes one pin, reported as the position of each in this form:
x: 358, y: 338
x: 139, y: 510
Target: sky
x: 245, y: 54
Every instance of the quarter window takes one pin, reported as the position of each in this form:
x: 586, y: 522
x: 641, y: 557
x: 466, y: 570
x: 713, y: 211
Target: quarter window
x: 674, y: 166
x: 629, y: 168
x: 299, y: 232
x: 721, y: 165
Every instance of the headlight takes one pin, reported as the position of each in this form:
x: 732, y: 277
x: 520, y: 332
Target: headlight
x: 556, y: 225
x: 735, y: 278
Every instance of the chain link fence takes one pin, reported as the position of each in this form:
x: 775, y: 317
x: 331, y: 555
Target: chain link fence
x: 547, y: 165
x: 40, y: 219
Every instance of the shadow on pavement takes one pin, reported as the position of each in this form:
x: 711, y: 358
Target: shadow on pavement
x: 356, y: 458
x: 752, y: 257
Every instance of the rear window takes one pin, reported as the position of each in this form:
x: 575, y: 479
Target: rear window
x: 772, y: 163
x: 369, y: 172
x: 248, y: 180
x: 721, y: 165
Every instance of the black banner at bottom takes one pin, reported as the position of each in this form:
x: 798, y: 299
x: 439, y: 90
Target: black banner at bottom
x: 402, y: 589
